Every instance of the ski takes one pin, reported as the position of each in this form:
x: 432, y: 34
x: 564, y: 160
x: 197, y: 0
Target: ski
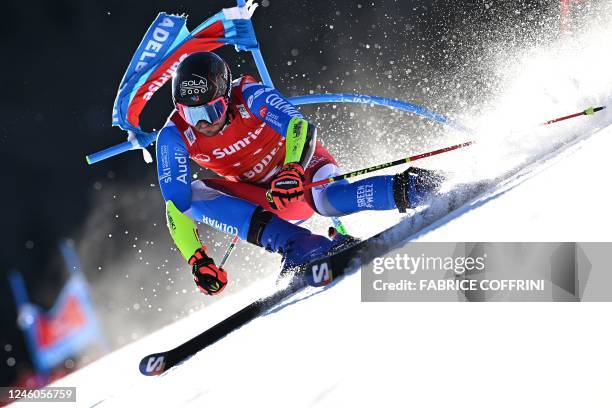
x: 158, y: 363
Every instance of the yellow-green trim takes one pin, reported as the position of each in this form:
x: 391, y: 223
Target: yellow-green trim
x: 183, y: 230
x: 295, y: 140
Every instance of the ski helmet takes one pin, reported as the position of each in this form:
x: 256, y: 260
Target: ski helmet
x: 201, y: 78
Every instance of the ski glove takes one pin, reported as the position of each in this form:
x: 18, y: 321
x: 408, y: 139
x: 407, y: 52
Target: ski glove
x: 287, y: 187
x: 211, y: 280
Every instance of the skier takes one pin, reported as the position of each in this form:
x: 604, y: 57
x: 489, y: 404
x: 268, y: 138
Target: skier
x: 265, y: 151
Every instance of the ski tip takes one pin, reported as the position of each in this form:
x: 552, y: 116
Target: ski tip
x: 153, y: 364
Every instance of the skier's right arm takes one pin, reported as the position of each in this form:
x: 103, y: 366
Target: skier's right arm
x: 175, y: 184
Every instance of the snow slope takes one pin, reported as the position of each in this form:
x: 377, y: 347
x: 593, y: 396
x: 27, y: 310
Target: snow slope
x: 567, y: 198
x: 332, y: 350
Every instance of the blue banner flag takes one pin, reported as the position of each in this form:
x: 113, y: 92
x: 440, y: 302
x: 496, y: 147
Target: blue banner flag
x: 165, y: 44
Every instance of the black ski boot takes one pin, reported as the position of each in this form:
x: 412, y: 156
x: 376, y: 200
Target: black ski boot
x: 340, y: 241
x: 415, y: 186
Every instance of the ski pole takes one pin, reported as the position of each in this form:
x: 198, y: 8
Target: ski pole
x: 229, y: 250
x: 588, y: 111
x: 387, y: 165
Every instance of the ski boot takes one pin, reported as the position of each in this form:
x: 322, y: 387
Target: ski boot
x: 340, y: 241
x: 415, y: 186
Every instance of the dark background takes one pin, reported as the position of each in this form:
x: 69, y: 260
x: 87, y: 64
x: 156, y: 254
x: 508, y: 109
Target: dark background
x: 63, y: 61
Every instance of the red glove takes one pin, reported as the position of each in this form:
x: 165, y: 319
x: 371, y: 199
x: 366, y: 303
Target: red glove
x: 287, y: 187
x: 211, y: 280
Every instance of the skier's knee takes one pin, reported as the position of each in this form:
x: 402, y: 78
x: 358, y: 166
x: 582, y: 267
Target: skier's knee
x: 273, y: 233
x: 320, y: 195
x: 259, y: 221
x: 323, y: 204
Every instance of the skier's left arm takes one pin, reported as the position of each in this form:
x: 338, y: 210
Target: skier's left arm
x: 173, y: 176
x: 300, y: 140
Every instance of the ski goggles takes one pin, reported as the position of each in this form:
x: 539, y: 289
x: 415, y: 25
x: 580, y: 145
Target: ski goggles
x: 211, y: 113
